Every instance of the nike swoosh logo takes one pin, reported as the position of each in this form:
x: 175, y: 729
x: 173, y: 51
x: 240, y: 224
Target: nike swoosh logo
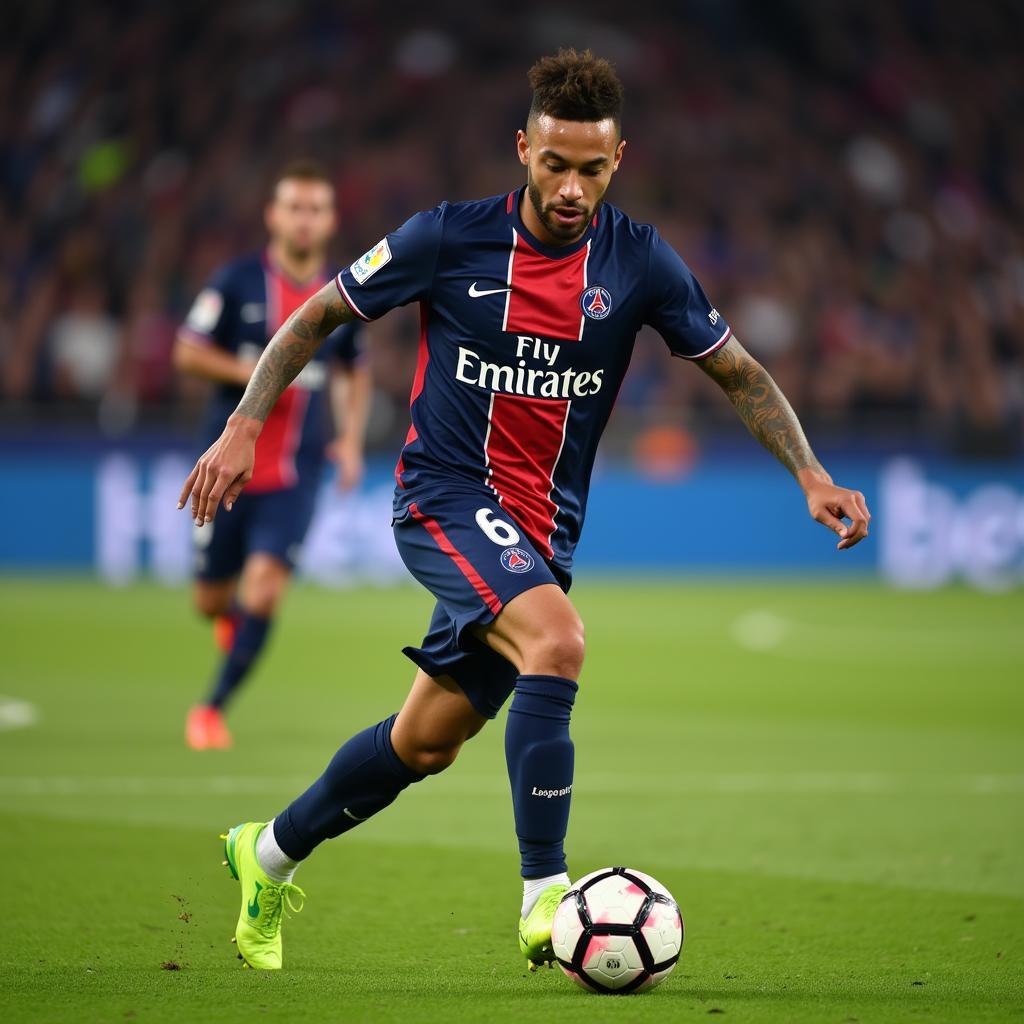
x: 351, y: 815
x: 254, y: 904
x: 477, y: 293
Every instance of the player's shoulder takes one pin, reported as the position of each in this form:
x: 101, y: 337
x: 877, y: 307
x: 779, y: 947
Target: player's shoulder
x: 470, y: 213
x: 239, y: 272
x: 626, y: 231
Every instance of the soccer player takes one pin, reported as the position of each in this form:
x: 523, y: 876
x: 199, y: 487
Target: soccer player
x: 243, y: 566
x: 530, y: 304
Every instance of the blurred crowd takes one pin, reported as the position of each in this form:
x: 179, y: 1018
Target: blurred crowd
x: 846, y: 179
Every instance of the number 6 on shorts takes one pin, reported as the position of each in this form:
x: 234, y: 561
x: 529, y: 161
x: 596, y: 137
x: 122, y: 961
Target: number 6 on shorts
x: 496, y: 530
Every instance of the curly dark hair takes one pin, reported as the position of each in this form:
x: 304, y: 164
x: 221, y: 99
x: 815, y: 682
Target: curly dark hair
x: 575, y: 86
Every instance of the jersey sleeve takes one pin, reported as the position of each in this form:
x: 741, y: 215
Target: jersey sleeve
x: 677, y: 307
x: 399, y: 269
x: 346, y: 346
x: 212, y: 318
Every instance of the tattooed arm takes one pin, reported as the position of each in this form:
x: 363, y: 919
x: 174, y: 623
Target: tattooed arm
x: 770, y: 418
x: 291, y: 348
x: 226, y: 467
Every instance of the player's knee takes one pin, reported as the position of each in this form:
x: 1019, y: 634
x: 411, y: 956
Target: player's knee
x: 262, y: 602
x: 432, y: 759
x: 210, y: 604
x: 262, y: 592
x: 559, y: 651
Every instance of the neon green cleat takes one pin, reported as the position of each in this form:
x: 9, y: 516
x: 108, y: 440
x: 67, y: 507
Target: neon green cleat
x: 264, y: 903
x: 535, y: 929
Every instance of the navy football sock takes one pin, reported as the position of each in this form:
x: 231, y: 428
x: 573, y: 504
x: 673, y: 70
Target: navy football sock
x: 250, y: 636
x: 364, y: 776
x: 539, y: 755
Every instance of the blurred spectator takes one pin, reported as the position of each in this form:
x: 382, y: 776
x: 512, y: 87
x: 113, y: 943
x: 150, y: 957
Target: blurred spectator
x: 847, y: 179
x: 83, y: 344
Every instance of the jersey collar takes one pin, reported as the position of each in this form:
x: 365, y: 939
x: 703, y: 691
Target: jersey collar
x: 552, y: 252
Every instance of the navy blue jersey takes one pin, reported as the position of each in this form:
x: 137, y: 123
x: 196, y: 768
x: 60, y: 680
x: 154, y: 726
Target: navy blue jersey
x: 239, y: 311
x: 523, y: 347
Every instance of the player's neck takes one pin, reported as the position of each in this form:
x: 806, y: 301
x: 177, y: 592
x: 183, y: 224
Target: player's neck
x: 299, y: 268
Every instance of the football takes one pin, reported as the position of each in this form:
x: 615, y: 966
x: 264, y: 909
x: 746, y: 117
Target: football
x: 617, y: 931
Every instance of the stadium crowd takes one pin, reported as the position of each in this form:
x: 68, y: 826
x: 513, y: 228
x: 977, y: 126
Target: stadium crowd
x: 846, y: 179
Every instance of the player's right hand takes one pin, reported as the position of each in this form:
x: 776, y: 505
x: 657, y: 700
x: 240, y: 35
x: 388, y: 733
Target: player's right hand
x: 224, y: 469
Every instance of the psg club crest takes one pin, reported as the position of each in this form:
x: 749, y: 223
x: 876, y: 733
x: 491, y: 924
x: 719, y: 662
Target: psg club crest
x: 596, y: 302
x: 517, y: 560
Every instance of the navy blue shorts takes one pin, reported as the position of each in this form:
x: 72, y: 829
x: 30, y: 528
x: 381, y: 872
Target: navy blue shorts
x: 271, y: 522
x: 474, y: 558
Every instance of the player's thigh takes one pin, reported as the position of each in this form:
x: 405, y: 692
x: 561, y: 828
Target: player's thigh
x: 465, y: 549
x: 539, y: 631
x: 436, y: 719
x: 486, y: 679
x: 264, y: 580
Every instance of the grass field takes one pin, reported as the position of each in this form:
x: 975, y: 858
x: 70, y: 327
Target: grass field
x: 829, y: 779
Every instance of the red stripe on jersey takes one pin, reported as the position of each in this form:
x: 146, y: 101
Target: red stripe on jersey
x: 275, y: 467
x: 281, y: 436
x: 422, y: 358
x: 524, y: 443
x: 400, y: 468
x: 545, y: 296
x: 433, y: 527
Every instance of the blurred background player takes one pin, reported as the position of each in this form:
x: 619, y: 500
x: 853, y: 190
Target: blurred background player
x: 243, y: 566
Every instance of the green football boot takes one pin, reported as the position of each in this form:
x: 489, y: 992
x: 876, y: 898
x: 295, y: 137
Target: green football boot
x: 264, y: 902
x: 535, y: 928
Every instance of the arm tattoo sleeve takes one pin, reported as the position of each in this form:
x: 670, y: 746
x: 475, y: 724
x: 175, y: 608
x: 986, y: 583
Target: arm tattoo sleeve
x: 291, y: 348
x: 761, y: 405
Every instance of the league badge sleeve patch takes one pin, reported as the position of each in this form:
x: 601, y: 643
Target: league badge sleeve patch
x: 397, y: 270
x: 370, y: 262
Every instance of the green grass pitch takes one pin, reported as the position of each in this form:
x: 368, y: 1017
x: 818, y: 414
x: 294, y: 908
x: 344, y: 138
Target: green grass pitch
x: 830, y: 779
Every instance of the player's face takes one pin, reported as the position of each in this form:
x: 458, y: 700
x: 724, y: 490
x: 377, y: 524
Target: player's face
x: 300, y: 217
x: 569, y: 165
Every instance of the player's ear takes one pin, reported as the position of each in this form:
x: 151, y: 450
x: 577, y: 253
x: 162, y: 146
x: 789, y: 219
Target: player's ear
x: 268, y: 216
x: 619, y: 149
x: 523, y: 147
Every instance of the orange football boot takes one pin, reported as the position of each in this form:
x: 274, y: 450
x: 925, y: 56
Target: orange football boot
x: 205, y: 729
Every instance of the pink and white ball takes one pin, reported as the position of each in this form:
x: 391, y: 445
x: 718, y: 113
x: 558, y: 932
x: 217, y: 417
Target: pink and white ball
x: 617, y: 931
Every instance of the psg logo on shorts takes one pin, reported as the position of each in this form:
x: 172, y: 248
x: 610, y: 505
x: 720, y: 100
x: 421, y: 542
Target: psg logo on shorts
x: 517, y: 560
x: 596, y: 302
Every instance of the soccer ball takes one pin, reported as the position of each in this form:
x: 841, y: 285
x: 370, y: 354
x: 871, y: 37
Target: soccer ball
x: 617, y: 931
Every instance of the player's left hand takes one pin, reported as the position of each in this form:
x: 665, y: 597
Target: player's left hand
x: 224, y: 469
x: 349, y: 459
x: 830, y: 505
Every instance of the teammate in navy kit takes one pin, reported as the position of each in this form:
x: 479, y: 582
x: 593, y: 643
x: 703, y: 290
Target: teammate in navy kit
x: 530, y: 303
x: 242, y: 567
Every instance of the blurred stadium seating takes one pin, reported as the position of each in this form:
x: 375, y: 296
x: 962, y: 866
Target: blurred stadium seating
x: 846, y: 179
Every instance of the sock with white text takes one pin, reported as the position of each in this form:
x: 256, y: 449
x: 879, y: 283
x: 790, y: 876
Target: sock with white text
x: 539, y: 756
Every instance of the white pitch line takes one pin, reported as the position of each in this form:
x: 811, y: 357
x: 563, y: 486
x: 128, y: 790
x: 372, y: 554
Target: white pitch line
x: 761, y: 629
x: 17, y: 714
x: 740, y: 784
